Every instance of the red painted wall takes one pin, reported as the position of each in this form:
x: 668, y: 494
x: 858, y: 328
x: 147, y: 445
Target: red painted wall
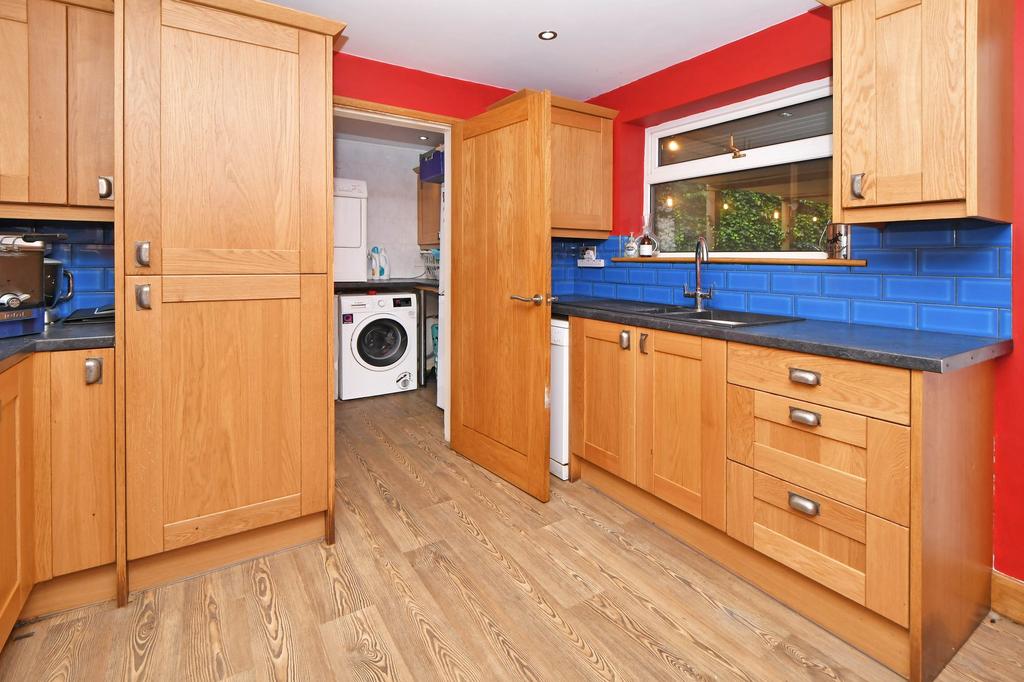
x: 401, y: 87
x: 1009, y: 464
x: 795, y: 51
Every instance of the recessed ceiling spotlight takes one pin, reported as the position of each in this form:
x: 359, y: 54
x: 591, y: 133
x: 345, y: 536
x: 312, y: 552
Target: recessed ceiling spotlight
x: 424, y: 138
x: 547, y: 35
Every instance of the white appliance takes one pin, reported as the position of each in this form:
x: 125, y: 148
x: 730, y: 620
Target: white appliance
x: 377, y: 344
x: 560, y: 398
x: 349, y: 230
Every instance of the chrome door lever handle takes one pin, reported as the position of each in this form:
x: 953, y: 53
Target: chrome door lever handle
x: 536, y: 299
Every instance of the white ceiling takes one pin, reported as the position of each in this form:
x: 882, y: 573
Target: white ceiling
x: 601, y: 44
x: 382, y: 133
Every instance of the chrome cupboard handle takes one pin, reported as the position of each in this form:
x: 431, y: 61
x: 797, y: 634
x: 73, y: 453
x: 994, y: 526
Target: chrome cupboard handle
x: 805, y: 417
x: 536, y: 299
x: 105, y: 187
x: 142, y: 254
x: 804, y: 376
x: 624, y: 340
x: 643, y: 343
x: 143, y: 300
x: 93, y: 371
x: 803, y: 505
x: 857, y: 185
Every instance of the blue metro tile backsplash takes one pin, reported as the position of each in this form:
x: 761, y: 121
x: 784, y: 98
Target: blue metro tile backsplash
x: 88, y: 253
x: 943, y: 276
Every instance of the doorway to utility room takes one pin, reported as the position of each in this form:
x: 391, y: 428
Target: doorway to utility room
x: 392, y: 256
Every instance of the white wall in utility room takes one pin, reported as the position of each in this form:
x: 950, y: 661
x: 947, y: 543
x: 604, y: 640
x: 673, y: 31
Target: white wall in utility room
x: 391, y: 204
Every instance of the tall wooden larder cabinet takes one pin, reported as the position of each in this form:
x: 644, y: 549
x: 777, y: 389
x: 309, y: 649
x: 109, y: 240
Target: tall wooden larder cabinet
x: 225, y: 227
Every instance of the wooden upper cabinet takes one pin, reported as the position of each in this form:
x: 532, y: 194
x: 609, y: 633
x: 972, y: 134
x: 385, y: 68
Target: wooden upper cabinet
x: 581, y: 167
x: 90, y: 125
x: 922, y: 109
x: 33, y: 103
x: 428, y: 213
x: 228, y: 136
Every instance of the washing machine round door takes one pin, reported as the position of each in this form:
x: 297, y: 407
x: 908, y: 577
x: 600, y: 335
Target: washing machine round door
x: 381, y: 342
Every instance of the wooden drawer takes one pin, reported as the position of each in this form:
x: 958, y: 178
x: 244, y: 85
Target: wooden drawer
x: 858, y: 555
x: 882, y: 392
x: 857, y: 460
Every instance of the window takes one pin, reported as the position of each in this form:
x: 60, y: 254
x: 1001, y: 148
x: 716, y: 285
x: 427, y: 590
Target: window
x: 755, y: 179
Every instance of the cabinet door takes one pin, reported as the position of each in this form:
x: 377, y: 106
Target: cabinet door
x: 229, y: 384
x: 16, y: 566
x: 33, y: 138
x: 681, y: 422
x: 902, y: 105
x: 82, y: 459
x: 227, y: 142
x: 90, y: 104
x: 581, y: 171
x: 428, y: 213
x: 603, y: 366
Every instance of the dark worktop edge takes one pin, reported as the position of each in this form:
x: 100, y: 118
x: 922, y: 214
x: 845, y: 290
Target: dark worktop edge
x: 81, y: 337
x: 761, y: 336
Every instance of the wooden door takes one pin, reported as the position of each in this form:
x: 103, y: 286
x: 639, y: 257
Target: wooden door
x: 81, y: 461
x: 902, y: 101
x: 227, y: 135
x: 502, y: 247
x: 90, y: 104
x: 227, y: 421
x: 33, y: 137
x: 428, y: 212
x: 16, y: 519
x: 603, y: 401
x: 680, y: 412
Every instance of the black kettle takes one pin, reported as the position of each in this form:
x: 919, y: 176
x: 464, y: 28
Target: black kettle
x: 54, y: 275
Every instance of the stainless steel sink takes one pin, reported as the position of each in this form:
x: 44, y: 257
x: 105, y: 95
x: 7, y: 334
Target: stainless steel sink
x: 725, y: 318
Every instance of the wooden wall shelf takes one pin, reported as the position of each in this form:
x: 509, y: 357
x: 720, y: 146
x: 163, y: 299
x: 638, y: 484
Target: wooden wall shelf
x: 852, y: 263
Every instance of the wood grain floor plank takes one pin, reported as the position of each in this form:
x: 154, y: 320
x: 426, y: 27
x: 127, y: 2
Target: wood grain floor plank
x: 441, y: 571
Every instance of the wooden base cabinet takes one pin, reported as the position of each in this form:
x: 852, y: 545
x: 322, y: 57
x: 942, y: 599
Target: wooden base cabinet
x: 16, y: 492
x: 649, y: 407
x: 858, y: 495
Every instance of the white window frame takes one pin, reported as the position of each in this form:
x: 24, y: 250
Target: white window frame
x: 788, y: 152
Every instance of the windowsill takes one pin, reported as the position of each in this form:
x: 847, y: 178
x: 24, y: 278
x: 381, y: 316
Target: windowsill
x: 839, y: 262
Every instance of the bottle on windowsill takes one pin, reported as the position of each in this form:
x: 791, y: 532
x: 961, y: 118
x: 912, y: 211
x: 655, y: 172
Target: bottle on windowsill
x: 647, y: 245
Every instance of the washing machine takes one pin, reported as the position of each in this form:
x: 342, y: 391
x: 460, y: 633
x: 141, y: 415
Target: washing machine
x: 377, y: 344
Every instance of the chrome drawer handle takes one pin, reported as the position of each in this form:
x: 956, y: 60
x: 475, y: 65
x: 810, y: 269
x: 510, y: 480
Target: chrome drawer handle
x: 804, y: 376
x: 643, y: 343
x: 805, y: 417
x: 624, y: 340
x: 803, y: 505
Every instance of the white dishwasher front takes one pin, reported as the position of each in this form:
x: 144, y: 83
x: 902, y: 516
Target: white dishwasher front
x: 560, y: 398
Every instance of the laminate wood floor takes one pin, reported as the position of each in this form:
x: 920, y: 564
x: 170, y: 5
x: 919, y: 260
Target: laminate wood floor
x: 443, y: 572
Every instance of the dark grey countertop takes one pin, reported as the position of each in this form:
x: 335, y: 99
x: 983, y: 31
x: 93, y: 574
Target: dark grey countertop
x: 909, y: 349
x: 384, y: 284
x: 56, y: 337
